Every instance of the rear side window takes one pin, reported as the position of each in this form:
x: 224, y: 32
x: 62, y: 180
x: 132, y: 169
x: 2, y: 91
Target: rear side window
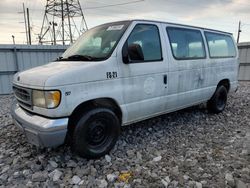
x: 220, y: 45
x: 147, y: 36
x: 186, y: 43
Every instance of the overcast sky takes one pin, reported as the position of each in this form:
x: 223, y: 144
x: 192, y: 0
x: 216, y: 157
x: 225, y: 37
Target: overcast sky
x: 216, y: 14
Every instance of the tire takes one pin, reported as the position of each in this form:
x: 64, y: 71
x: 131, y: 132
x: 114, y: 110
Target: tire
x: 96, y: 133
x: 218, y: 101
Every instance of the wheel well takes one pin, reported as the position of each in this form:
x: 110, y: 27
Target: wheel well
x: 225, y: 83
x: 88, y: 105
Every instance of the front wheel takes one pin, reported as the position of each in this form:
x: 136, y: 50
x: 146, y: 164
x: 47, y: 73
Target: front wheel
x: 96, y: 133
x: 219, y: 100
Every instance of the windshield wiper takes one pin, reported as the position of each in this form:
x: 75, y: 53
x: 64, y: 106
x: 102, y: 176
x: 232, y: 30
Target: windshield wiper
x: 78, y: 58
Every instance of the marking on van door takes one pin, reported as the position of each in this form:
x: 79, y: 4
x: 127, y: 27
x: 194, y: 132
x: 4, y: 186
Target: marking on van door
x: 149, y: 85
x: 111, y: 75
x: 67, y: 93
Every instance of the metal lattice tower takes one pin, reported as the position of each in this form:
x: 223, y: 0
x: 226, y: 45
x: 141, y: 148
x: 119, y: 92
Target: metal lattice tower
x: 63, y: 22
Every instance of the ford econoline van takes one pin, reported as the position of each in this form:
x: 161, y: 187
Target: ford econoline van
x: 120, y: 73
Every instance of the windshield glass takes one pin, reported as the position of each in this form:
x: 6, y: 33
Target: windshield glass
x: 97, y: 43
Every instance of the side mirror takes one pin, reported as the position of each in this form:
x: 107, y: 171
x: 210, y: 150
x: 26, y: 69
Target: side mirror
x: 133, y: 52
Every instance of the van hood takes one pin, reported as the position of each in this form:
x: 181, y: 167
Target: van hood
x: 58, y: 74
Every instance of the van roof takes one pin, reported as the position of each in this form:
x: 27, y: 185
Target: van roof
x: 214, y: 30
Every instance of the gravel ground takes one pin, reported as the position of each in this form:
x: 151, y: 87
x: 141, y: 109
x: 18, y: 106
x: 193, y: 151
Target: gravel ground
x: 188, y: 148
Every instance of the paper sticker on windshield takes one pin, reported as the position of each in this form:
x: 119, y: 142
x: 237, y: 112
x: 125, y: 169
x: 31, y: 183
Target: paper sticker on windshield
x: 115, y: 27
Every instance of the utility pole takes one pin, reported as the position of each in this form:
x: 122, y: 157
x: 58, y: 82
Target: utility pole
x: 28, y: 19
x: 239, y: 31
x: 62, y: 7
x: 70, y: 32
x: 25, y: 23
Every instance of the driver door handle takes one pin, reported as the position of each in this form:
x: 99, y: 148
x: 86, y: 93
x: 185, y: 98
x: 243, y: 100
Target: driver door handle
x: 165, y: 79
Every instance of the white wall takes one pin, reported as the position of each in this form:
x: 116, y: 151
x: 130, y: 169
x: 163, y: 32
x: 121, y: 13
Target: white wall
x: 244, y: 53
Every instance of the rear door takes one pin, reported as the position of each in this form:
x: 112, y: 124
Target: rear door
x: 187, y: 59
x: 144, y: 82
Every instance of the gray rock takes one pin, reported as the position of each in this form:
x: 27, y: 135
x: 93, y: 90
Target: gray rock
x: 102, y: 183
x: 26, y: 172
x: 130, y: 153
x: 4, y: 177
x: 166, y: 181
x: 16, y: 174
x: 191, y: 162
x: 192, y: 183
x: 108, y: 158
x: 93, y: 171
x: 198, y: 185
x: 139, y: 155
x: 240, y: 184
x: 5, y: 169
x: 39, y: 176
x: 245, y: 152
x: 175, y: 183
x: 139, y: 181
x: 16, y: 160
x: 71, y: 164
x: 53, y: 164
x: 119, y: 185
x: 204, y: 182
x: 25, y: 155
x: 75, y: 180
x: 206, y: 175
x: 81, y: 182
x: 186, y: 177
x: 175, y: 170
x: 229, y: 179
x: 57, y: 175
x: 111, y: 177
x: 127, y: 186
x: 157, y: 159
x: 29, y: 184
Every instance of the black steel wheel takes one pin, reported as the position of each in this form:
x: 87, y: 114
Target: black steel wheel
x: 96, y: 133
x: 219, y: 100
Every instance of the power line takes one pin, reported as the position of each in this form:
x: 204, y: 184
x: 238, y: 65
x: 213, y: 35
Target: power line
x: 112, y: 5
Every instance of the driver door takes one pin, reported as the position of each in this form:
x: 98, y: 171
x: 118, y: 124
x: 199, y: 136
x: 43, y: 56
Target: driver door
x: 144, y: 75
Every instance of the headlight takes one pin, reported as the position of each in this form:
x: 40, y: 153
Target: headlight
x: 46, y: 99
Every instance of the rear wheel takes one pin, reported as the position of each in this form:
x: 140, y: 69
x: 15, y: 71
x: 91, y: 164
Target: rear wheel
x: 96, y: 133
x: 219, y: 100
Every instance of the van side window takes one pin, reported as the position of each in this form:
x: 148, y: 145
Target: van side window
x: 186, y: 43
x: 147, y: 37
x: 220, y: 45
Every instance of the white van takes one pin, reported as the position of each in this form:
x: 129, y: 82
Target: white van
x: 120, y: 73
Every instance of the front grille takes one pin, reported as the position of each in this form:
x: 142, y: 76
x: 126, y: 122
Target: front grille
x: 23, y: 96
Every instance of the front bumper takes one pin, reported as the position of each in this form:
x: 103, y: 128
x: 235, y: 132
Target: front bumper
x: 40, y: 131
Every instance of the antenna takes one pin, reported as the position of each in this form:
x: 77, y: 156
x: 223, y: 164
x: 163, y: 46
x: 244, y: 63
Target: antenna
x: 63, y: 22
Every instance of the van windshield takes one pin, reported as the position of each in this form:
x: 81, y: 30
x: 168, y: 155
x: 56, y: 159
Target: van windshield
x: 96, y: 44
